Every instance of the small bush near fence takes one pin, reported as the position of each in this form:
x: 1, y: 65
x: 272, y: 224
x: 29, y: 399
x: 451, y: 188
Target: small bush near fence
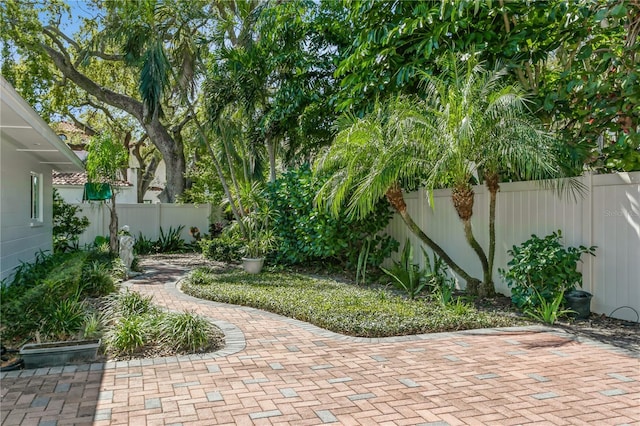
x: 224, y: 248
x: 169, y: 242
x: 67, y: 224
x: 541, y: 269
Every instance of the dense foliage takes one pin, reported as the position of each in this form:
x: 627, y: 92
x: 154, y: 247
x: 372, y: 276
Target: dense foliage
x: 307, y: 233
x: 338, y: 307
x: 170, y: 241
x: 45, y: 300
x: 542, y: 268
x: 67, y: 225
x: 578, y: 59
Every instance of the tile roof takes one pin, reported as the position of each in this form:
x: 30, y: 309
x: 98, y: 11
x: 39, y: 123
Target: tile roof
x: 78, y: 179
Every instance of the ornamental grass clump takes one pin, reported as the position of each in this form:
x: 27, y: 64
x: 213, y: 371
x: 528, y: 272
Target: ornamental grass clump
x: 137, y: 327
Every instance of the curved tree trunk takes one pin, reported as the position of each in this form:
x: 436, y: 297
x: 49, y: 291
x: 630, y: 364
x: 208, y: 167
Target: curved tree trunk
x: 463, y: 199
x: 396, y: 199
x: 492, y: 182
x: 172, y: 151
x: 486, y: 275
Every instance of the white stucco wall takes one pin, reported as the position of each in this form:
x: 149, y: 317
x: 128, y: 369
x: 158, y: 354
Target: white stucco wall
x: 19, y: 240
x: 72, y: 194
x: 159, y: 181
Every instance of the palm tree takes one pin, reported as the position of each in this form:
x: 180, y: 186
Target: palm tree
x: 472, y: 126
x: 479, y: 127
x: 375, y: 157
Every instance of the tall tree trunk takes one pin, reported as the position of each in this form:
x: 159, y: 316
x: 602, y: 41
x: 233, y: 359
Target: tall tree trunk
x: 492, y: 182
x: 145, y: 177
x: 238, y: 215
x: 396, y: 199
x: 463, y: 199
x: 172, y: 151
x: 114, y: 244
x: 234, y: 179
x: 271, y: 150
x: 468, y: 233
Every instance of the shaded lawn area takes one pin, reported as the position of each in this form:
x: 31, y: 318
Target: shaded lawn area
x: 339, y: 307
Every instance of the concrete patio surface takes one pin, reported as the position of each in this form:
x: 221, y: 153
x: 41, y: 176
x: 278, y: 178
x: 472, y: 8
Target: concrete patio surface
x: 276, y: 370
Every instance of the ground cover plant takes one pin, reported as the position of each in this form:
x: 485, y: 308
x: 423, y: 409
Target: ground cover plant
x: 339, y: 307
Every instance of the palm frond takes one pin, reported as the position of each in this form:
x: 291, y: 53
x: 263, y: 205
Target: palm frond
x: 154, y: 78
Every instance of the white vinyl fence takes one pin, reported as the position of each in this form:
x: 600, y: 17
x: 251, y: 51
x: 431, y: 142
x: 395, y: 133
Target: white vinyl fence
x: 145, y: 218
x: 608, y: 216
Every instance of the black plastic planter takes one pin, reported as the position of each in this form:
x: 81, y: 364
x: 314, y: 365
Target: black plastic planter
x: 579, y: 301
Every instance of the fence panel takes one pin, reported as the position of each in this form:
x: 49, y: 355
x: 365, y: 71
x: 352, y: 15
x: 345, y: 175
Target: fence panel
x: 608, y: 216
x: 146, y: 219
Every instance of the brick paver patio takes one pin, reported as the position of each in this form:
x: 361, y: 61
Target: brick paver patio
x: 276, y: 370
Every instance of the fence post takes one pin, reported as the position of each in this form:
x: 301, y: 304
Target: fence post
x: 158, y: 219
x: 587, y: 232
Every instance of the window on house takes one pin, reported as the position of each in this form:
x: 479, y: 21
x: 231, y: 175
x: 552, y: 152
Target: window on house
x: 36, y: 197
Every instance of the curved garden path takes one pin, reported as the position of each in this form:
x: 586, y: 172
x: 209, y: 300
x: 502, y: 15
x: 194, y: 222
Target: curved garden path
x: 275, y: 370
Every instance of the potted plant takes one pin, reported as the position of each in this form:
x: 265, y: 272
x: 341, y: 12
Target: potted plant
x: 259, y: 240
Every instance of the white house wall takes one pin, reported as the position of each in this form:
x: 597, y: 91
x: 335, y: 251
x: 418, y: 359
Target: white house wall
x: 20, y: 241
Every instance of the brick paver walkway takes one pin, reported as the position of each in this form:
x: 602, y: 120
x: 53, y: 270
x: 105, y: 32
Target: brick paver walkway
x: 280, y: 371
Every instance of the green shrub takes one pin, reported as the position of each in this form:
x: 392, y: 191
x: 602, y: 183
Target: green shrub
x: 67, y: 226
x: 545, y: 311
x: 168, y: 242
x: 144, y: 245
x: 97, y: 280
x: 307, y: 234
x: 542, y: 268
x: 92, y: 326
x: 185, y: 332
x: 225, y: 248
x: 407, y: 276
x: 127, y: 304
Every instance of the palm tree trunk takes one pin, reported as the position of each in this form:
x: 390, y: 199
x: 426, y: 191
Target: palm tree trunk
x: 396, y: 199
x: 463, y: 199
x: 486, y: 275
x: 233, y: 176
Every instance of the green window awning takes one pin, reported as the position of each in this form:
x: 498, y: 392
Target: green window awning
x: 96, y: 192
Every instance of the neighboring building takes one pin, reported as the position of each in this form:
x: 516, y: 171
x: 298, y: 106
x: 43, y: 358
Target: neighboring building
x: 70, y: 186
x: 29, y: 152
